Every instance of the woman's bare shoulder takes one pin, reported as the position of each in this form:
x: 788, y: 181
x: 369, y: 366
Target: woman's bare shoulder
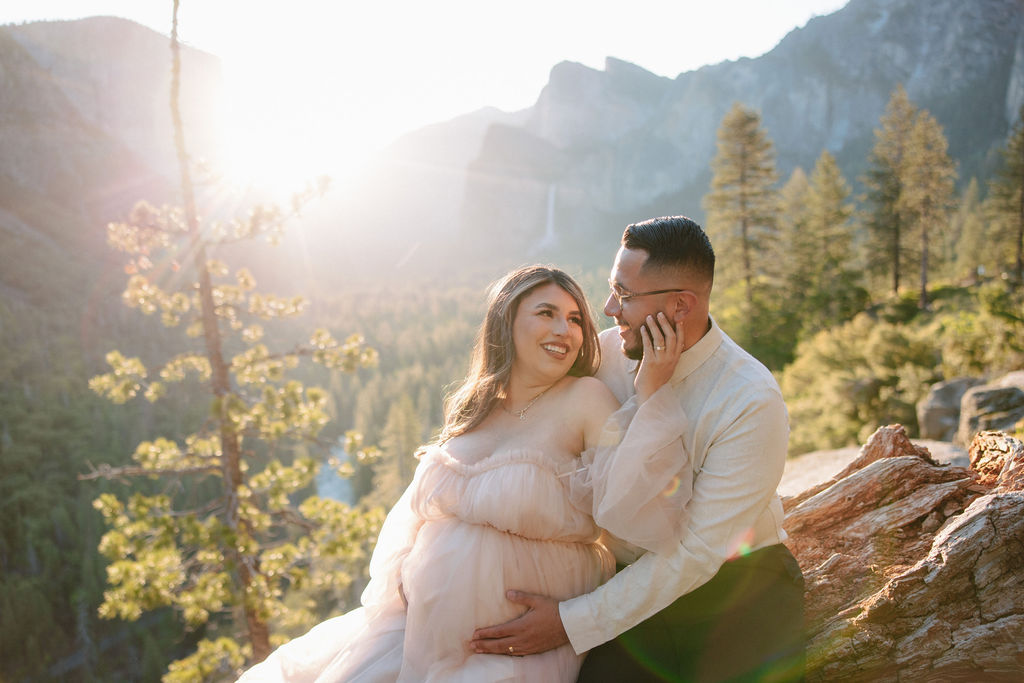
x: 589, y: 402
x: 590, y: 391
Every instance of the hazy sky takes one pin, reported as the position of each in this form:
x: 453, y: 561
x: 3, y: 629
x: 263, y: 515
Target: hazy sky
x: 373, y: 69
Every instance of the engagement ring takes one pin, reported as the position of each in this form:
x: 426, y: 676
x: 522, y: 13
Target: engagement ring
x: 510, y: 649
x: 659, y: 348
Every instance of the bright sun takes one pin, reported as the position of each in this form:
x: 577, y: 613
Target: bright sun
x: 279, y: 150
x: 288, y: 120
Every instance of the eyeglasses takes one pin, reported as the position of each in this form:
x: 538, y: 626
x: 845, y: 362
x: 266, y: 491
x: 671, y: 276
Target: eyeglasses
x: 621, y: 296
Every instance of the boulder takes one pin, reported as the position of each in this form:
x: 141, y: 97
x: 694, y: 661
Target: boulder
x: 989, y: 407
x: 998, y: 461
x: 938, y: 413
x: 1011, y: 379
x: 913, y: 567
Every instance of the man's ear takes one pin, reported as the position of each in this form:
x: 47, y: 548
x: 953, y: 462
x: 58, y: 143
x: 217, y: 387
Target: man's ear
x: 685, y: 302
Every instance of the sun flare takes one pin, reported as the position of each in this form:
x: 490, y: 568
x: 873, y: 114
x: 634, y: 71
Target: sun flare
x: 279, y: 153
x: 285, y: 122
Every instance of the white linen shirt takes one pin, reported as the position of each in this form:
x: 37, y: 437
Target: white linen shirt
x: 736, y: 437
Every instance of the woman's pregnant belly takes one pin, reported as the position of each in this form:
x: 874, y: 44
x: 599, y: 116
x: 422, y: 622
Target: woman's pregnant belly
x: 456, y: 575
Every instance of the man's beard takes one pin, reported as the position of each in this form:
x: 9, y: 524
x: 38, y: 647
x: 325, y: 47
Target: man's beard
x: 635, y: 352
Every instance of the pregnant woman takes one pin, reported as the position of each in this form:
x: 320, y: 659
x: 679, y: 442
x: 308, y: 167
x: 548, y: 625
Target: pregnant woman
x: 533, y: 451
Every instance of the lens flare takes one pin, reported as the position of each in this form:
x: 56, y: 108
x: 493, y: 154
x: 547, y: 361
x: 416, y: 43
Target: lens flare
x: 741, y: 545
x: 672, y: 488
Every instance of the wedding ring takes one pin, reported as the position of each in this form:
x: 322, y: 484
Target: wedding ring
x: 659, y: 348
x: 511, y: 650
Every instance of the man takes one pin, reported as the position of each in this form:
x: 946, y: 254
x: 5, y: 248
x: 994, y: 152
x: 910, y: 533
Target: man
x: 727, y: 603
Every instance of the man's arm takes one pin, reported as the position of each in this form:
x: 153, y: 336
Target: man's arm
x: 733, y: 490
x: 737, y: 481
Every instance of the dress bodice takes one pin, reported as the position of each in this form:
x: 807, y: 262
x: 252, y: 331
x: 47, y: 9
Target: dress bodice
x: 522, y: 491
x: 463, y: 533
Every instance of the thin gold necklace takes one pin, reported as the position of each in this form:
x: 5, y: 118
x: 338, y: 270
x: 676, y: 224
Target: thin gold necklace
x: 521, y: 414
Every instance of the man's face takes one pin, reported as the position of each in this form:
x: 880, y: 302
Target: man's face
x: 626, y: 278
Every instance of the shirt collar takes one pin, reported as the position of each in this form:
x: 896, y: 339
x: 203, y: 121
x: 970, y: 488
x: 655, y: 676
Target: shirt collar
x: 695, y: 356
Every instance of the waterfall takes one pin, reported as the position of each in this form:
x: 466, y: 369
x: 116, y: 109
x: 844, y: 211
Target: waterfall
x: 549, y: 239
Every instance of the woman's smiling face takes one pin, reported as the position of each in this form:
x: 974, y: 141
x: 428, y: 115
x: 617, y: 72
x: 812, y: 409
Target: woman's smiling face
x: 547, y: 333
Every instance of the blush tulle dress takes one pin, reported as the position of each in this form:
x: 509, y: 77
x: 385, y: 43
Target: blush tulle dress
x: 462, y: 534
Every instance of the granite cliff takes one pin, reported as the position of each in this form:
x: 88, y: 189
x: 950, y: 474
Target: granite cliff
x: 606, y: 147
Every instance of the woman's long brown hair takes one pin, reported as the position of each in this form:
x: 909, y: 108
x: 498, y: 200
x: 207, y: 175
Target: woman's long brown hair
x: 494, y: 352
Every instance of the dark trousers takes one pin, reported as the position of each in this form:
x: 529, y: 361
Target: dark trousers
x: 745, y: 624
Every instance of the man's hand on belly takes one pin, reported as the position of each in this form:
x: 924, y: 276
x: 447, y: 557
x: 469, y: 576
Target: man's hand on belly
x: 538, y: 630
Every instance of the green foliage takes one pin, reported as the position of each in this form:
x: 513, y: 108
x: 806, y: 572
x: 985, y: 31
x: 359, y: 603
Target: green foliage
x: 884, y: 182
x: 821, y: 283
x: 986, y: 339
x: 849, y: 380
x: 743, y: 211
x: 213, y: 661
x: 762, y: 327
x: 1006, y: 205
x: 926, y: 179
x: 910, y: 191
x: 742, y: 206
x: 403, y: 433
x: 971, y: 252
x: 203, y: 550
x: 51, y: 427
x: 423, y: 333
x: 235, y: 541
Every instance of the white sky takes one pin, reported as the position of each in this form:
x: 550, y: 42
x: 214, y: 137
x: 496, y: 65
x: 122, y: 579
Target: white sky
x: 371, y: 70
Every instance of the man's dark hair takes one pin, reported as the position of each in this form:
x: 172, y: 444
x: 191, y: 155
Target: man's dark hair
x: 674, y: 242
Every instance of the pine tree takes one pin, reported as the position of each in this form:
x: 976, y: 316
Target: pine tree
x: 1007, y: 197
x: 224, y: 540
x: 883, y: 180
x: 743, y: 206
x: 829, y: 212
x: 821, y: 283
x: 926, y: 190
x: 797, y: 248
x: 402, y: 435
x: 970, y: 248
x: 796, y: 257
x: 834, y: 290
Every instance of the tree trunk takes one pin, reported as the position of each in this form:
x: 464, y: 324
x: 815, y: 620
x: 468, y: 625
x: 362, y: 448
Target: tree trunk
x: 1020, y: 240
x: 896, y: 257
x: 747, y: 276
x: 745, y: 238
x: 259, y: 634
x: 922, y: 302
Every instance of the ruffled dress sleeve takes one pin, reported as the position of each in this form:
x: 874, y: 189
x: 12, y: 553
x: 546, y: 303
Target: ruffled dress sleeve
x: 638, y: 479
x: 397, y: 535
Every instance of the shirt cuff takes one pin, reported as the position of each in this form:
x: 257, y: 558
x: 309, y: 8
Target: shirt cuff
x: 579, y: 619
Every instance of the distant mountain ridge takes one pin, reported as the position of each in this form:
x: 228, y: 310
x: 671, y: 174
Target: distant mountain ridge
x: 624, y: 144
x: 83, y: 123
x: 85, y: 133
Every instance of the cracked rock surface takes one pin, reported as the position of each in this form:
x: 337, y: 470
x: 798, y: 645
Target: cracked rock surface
x: 915, y: 570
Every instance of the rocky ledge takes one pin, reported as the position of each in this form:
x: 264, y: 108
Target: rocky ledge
x: 914, y: 568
